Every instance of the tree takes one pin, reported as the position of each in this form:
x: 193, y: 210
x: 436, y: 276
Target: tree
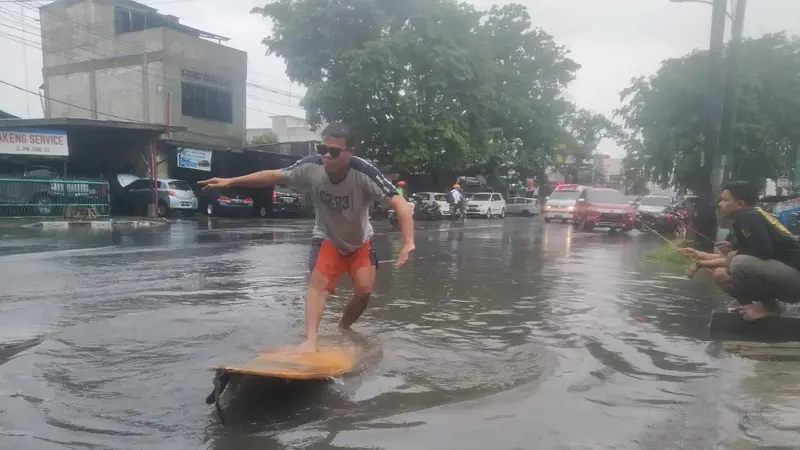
x: 266, y: 138
x: 584, y: 131
x: 665, y: 113
x: 430, y: 86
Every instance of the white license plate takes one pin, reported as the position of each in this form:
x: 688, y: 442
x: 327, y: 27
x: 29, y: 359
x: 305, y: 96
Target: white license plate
x: 186, y: 204
x: 558, y: 216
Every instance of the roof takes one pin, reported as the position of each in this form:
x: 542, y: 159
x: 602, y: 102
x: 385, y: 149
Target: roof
x: 171, y: 21
x: 5, y: 115
x: 75, y: 123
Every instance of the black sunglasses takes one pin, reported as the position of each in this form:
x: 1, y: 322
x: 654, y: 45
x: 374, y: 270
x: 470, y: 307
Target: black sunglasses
x: 333, y: 151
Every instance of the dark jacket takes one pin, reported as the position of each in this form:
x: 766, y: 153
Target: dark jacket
x: 756, y: 235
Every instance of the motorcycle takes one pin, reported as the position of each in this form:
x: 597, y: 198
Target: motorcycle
x: 393, y: 217
x: 671, y: 220
x: 456, y: 214
x: 427, y: 211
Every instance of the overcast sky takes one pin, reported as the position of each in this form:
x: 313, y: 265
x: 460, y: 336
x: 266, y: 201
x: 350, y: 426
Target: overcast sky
x: 613, y: 40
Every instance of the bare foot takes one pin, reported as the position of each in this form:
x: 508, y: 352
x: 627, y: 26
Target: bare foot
x: 757, y: 311
x: 307, y: 347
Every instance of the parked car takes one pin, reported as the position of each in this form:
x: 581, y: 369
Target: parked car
x: 653, y: 212
x: 605, y: 208
x: 283, y: 201
x: 173, y: 196
x: 486, y: 204
x: 654, y: 203
x: 438, y: 197
x: 523, y: 206
x: 560, y: 205
x: 226, y: 202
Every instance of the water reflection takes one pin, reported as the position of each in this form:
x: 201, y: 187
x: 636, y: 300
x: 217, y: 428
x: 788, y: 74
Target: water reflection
x: 496, y: 334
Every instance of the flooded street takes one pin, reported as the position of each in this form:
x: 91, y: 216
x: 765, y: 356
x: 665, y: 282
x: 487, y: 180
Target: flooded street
x: 509, y: 334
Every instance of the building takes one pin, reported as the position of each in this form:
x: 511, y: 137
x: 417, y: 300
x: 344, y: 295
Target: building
x: 122, y: 60
x: 287, y: 129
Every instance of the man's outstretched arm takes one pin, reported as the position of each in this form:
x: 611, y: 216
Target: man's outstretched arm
x: 259, y: 179
x: 296, y: 174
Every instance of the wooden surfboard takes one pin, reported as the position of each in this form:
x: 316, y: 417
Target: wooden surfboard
x: 286, y: 362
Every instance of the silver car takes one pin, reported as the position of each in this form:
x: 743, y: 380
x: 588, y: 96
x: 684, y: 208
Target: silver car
x: 173, y: 196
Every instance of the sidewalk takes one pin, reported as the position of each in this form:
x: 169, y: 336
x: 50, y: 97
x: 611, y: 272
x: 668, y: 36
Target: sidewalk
x: 107, y: 223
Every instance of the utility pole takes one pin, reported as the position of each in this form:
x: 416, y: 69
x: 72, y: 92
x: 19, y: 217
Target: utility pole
x: 706, y: 216
x: 726, y: 142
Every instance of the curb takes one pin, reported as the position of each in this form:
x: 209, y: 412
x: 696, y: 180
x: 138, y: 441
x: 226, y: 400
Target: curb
x: 95, y: 224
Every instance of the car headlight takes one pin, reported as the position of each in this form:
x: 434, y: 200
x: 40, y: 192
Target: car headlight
x: 547, y: 208
x: 571, y: 208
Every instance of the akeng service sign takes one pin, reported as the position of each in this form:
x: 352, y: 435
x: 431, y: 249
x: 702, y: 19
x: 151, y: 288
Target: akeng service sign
x: 34, y: 142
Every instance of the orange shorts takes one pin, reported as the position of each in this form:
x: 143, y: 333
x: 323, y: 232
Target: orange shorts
x: 326, y: 259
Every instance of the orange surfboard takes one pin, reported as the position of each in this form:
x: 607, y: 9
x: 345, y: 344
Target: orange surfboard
x: 331, y: 360
x: 286, y: 362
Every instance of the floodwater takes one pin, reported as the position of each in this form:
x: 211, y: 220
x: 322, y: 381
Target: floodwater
x: 509, y: 334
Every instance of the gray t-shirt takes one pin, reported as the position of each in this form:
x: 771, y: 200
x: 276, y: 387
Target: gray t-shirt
x: 342, y: 208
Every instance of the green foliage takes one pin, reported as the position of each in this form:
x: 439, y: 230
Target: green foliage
x: 666, y: 113
x: 431, y: 87
x: 668, y: 254
x: 265, y: 139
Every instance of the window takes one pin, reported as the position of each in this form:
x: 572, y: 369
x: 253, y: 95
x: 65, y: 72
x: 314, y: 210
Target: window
x: 496, y: 198
x: 129, y: 20
x: 480, y: 198
x: 424, y: 196
x: 607, y: 196
x: 204, y: 102
x: 564, y: 195
x: 179, y: 186
x: 656, y: 201
x: 141, y: 184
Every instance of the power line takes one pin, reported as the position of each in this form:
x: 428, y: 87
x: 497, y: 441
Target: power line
x: 111, y: 39
x: 125, y: 119
x: 157, y: 76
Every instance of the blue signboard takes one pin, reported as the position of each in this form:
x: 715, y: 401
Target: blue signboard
x: 191, y: 158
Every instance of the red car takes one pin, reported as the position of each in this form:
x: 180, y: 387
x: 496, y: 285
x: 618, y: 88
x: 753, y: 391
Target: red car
x: 605, y: 208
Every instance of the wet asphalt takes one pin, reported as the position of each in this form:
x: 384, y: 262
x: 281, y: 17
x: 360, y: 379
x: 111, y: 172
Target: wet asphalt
x: 498, y: 334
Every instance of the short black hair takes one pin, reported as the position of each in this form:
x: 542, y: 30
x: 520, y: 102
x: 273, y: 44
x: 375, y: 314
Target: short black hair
x: 742, y: 191
x: 340, y: 130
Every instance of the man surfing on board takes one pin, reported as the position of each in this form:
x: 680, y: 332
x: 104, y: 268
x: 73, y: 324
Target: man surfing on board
x: 343, y: 187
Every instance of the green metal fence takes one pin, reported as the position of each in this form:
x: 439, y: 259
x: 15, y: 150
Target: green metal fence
x: 48, y: 197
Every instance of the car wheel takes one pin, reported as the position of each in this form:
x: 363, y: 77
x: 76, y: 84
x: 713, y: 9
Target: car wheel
x: 262, y: 212
x: 210, y: 209
x: 546, y: 220
x: 565, y: 220
x: 588, y: 227
x: 526, y: 213
x: 503, y: 213
x: 162, y: 210
x: 489, y: 213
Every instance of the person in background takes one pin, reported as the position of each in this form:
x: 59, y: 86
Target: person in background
x: 401, y: 189
x: 457, y: 199
x: 764, y: 266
